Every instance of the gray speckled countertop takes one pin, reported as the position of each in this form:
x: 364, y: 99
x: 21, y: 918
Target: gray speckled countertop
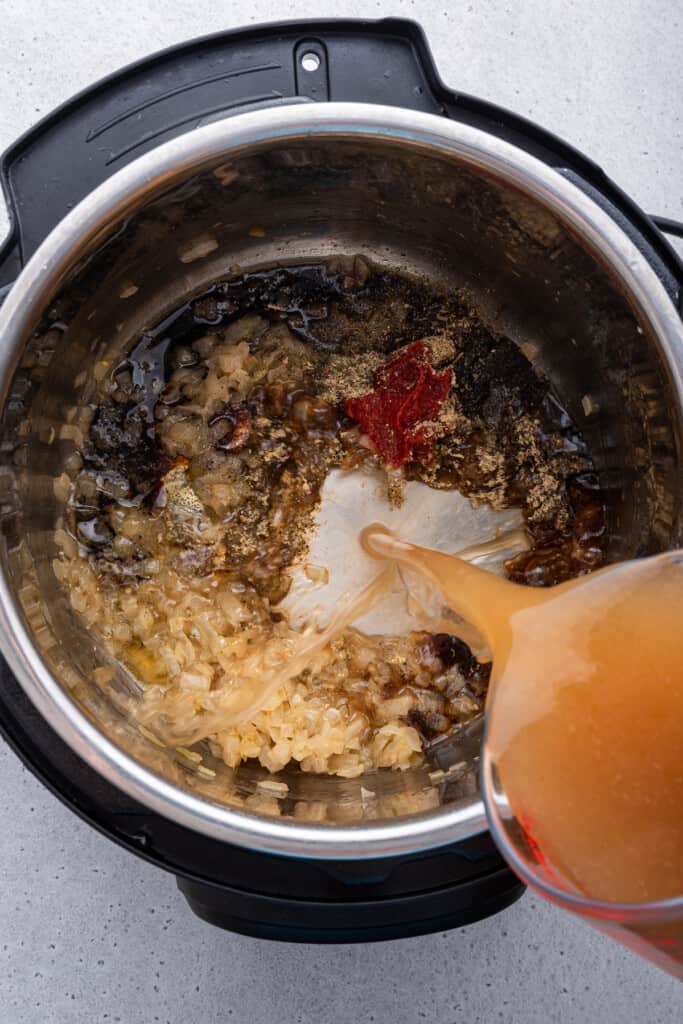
x: 89, y: 933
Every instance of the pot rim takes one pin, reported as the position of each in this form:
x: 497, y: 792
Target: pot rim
x: 126, y: 191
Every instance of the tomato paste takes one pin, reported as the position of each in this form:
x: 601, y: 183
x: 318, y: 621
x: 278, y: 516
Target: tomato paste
x: 408, y: 392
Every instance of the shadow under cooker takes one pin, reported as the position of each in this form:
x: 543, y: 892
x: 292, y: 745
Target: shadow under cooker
x: 408, y: 206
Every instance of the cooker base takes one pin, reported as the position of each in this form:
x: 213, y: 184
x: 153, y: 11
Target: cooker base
x: 344, y: 921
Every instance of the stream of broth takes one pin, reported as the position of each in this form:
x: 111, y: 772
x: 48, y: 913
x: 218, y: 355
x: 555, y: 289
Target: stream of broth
x: 585, y: 713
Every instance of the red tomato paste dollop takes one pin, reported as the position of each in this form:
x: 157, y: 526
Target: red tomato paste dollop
x: 407, y: 393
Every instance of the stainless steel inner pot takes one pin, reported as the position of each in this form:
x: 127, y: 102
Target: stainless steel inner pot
x: 411, y: 191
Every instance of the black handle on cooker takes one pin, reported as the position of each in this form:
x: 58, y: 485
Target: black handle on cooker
x: 68, y: 154
x: 64, y: 157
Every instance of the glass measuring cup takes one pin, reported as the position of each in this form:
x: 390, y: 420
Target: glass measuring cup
x: 653, y: 930
x: 567, y: 730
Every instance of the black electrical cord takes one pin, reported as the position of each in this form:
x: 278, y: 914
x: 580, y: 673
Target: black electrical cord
x: 668, y: 226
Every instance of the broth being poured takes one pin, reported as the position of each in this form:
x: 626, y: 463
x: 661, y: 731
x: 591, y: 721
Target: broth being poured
x: 226, y: 463
x: 585, y: 714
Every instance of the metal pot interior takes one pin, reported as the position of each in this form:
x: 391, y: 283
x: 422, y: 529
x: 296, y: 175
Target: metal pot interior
x: 404, y: 206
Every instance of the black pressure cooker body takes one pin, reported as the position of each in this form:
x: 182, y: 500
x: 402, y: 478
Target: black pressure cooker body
x: 49, y: 171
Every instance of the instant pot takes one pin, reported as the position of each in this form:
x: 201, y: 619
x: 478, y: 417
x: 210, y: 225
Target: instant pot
x: 282, y: 144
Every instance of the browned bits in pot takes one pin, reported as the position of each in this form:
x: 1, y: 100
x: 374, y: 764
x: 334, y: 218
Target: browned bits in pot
x: 196, y: 488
